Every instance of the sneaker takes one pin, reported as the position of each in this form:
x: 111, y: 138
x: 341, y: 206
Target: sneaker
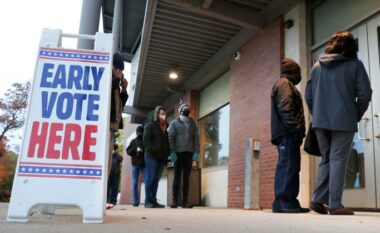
x: 287, y: 210
x: 158, y: 205
x: 109, y: 206
x: 135, y: 204
x: 149, y: 205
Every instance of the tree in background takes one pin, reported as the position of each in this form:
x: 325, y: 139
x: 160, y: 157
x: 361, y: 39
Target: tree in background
x: 13, y: 108
x: 2, y: 149
x: 7, y: 172
x: 12, y: 116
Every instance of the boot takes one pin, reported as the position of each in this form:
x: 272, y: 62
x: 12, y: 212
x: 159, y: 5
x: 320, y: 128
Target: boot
x: 186, y: 205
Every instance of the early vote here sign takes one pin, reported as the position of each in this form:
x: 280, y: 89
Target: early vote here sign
x: 65, y: 130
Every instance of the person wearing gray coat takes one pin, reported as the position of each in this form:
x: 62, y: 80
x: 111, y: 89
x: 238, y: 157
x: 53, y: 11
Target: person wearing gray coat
x: 337, y: 94
x: 184, y: 146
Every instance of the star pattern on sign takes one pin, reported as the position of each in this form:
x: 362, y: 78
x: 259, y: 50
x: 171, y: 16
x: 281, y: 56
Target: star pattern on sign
x: 63, y: 54
x: 60, y: 171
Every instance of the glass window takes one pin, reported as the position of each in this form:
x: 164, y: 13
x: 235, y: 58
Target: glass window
x: 214, y: 137
x: 355, y: 174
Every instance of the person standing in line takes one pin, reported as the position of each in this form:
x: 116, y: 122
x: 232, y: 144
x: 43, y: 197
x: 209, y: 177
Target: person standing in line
x: 157, y: 151
x: 337, y: 94
x: 114, y: 177
x: 288, y: 131
x: 184, y: 146
x: 136, y: 151
x: 119, y: 97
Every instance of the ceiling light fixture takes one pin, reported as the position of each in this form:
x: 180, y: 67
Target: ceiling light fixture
x: 173, y: 75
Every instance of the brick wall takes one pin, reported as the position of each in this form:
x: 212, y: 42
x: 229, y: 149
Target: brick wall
x: 252, y: 78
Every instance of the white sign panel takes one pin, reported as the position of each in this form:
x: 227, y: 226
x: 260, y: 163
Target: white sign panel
x: 64, y: 151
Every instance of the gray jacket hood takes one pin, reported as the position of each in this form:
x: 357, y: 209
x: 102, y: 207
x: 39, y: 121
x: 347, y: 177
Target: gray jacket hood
x: 332, y: 59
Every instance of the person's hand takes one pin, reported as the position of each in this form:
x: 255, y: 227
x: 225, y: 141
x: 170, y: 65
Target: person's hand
x: 195, y: 157
x: 173, y: 157
x: 124, y: 84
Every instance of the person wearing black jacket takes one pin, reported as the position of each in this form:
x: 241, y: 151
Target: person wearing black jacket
x: 136, y: 151
x: 119, y: 97
x: 157, y: 151
x: 288, y: 131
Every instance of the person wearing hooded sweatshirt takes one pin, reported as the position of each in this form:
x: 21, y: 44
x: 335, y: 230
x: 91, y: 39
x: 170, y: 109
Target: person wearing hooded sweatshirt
x: 288, y: 131
x: 157, y: 151
x: 337, y: 94
x: 136, y: 151
x: 184, y: 146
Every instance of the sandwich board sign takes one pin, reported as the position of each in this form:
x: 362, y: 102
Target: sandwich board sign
x: 63, y: 158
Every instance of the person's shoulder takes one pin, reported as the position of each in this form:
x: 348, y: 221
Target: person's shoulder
x: 281, y: 82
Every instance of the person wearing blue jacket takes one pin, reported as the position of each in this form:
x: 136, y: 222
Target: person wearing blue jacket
x: 337, y: 94
x: 184, y: 147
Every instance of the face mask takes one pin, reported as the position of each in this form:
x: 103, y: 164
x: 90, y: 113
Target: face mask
x: 162, y: 117
x: 185, y: 112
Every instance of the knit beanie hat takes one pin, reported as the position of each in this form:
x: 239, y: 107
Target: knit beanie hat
x: 182, y: 106
x: 118, y: 62
x: 140, y: 129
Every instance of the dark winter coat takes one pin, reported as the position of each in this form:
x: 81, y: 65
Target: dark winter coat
x: 116, y: 166
x: 287, y: 116
x: 123, y: 100
x: 136, y: 154
x: 156, y: 141
x: 338, y: 92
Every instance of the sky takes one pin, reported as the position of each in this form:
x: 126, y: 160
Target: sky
x: 21, y: 24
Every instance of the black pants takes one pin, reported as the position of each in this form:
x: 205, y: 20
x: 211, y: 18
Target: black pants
x: 113, y: 189
x: 183, y: 163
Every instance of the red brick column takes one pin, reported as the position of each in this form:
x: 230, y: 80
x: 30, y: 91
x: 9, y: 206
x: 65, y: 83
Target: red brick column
x: 252, y: 78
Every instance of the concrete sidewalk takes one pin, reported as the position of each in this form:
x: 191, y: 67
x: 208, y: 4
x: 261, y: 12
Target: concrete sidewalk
x: 200, y: 220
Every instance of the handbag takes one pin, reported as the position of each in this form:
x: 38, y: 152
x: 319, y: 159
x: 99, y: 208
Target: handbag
x: 311, y: 142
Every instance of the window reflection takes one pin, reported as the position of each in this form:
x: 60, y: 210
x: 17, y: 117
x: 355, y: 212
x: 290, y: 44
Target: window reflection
x: 355, y: 177
x: 214, y: 137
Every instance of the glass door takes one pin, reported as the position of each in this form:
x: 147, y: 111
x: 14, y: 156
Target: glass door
x: 360, y: 189
x: 374, y: 52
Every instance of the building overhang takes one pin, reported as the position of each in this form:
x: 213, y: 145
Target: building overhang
x: 195, y: 38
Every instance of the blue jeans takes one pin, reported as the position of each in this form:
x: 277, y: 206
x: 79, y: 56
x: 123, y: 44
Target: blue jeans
x: 154, y: 169
x: 286, y: 184
x: 135, y: 181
